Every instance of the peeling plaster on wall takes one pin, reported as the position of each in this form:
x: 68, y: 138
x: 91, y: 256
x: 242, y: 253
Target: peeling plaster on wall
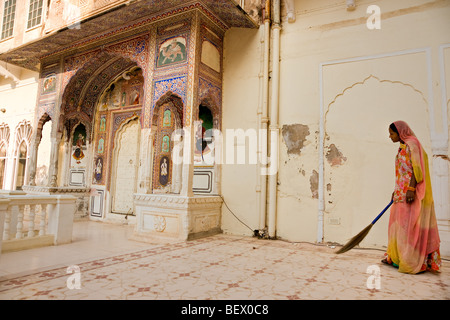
x: 294, y: 137
x: 314, y: 182
x: 288, y: 195
x: 334, y: 156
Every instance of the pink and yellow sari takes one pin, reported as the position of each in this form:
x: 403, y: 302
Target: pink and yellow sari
x: 413, y: 238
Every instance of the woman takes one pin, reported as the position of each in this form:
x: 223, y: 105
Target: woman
x: 413, y: 238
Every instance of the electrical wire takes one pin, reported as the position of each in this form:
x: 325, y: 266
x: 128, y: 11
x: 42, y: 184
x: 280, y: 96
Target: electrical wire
x: 252, y: 230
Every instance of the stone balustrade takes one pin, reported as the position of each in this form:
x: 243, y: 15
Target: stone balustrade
x: 31, y: 221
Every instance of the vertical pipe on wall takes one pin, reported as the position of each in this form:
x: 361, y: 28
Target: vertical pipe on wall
x: 264, y: 119
x: 321, y: 161
x: 273, y: 128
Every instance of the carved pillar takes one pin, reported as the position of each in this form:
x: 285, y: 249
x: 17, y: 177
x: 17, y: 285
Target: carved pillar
x: 33, y: 161
x: 66, y: 163
x: 192, y: 104
x: 187, y: 169
x: 53, y: 167
x: 218, y: 142
x: 146, y: 160
x: 177, y: 160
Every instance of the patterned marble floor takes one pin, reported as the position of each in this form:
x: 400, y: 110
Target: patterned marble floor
x: 221, y: 267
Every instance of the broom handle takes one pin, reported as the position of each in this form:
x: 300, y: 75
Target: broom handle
x: 382, y: 212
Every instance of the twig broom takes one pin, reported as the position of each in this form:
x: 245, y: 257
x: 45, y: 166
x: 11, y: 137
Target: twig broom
x: 360, y: 236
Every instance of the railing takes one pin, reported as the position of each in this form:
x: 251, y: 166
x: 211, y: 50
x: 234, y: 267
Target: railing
x: 32, y: 217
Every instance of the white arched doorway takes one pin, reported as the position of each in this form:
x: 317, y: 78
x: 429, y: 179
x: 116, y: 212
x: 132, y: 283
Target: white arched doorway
x: 21, y: 153
x: 359, y: 157
x: 125, y: 167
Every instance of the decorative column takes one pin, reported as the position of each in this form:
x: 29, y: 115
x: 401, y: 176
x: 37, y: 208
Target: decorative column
x: 53, y: 168
x: 146, y: 166
x: 191, y: 104
x: 33, y: 161
x: 66, y: 163
x: 177, y: 163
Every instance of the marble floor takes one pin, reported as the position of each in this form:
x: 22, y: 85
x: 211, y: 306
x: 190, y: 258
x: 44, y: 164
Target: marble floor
x: 103, y: 264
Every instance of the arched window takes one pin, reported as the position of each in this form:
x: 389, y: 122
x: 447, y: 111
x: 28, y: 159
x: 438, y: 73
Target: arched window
x: 4, y: 140
x: 2, y: 164
x: 22, y: 142
x: 22, y: 165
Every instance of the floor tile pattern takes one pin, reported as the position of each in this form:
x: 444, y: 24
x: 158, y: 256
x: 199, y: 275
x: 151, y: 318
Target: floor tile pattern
x: 221, y: 267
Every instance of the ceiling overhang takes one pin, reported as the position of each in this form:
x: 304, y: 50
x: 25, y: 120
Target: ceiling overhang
x: 225, y: 13
x: 7, y: 74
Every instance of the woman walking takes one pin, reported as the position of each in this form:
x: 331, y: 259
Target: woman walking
x: 413, y: 238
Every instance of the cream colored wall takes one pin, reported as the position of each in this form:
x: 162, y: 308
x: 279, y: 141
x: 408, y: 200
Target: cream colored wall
x: 19, y: 100
x: 240, y: 102
x: 370, y: 78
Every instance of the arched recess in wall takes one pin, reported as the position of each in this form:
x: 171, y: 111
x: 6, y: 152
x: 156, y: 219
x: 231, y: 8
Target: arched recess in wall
x: 208, y: 113
x: 85, y: 90
x: 125, y: 165
x: 22, y: 144
x: 167, y: 119
x: 102, y: 92
x: 208, y: 144
x: 120, y: 99
x: 4, y: 143
x: 43, y: 143
x: 359, y: 156
x: 73, y: 151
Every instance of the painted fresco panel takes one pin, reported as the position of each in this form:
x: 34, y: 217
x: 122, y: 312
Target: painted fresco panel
x: 176, y: 85
x: 168, y: 120
x: 49, y: 84
x: 172, y: 51
x: 79, y: 148
x: 119, y: 102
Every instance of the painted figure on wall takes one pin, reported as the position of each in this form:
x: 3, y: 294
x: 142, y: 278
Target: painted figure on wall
x: 98, y: 169
x: 115, y: 99
x: 171, y: 51
x: 101, y: 146
x: 49, y: 84
x: 165, y: 144
x: 167, y: 119
x: 164, y: 170
x: 102, y: 124
x: 104, y: 103
x: 135, y: 96
x: 124, y: 99
x: 79, y: 142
